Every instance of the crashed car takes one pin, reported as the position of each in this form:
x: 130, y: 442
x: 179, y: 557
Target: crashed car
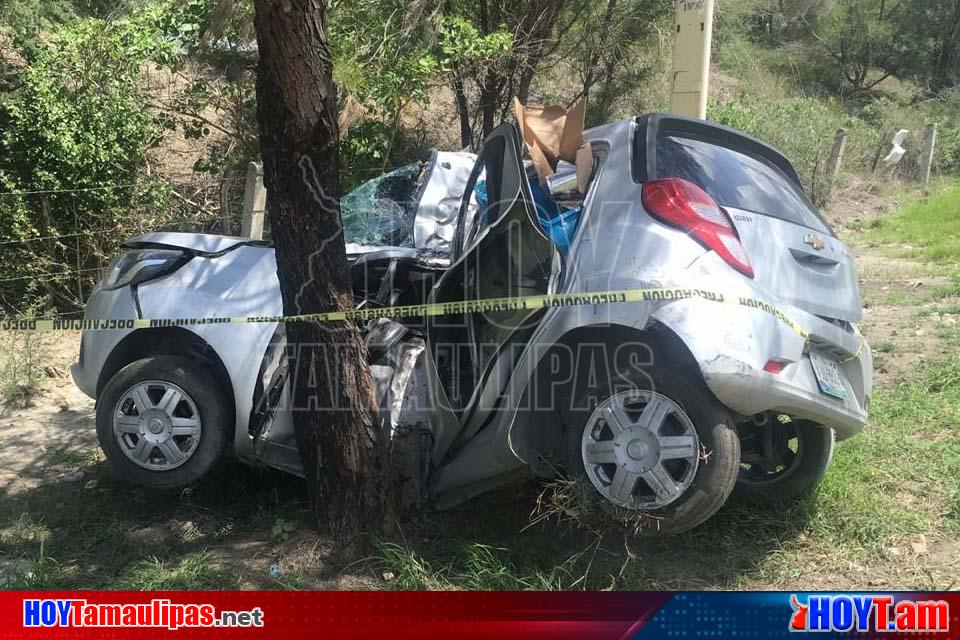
x: 664, y: 404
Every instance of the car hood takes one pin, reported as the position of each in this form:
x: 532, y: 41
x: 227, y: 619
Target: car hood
x: 199, y: 243
x: 211, y: 246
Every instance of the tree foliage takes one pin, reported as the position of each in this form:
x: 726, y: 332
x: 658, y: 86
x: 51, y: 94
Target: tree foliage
x: 929, y: 31
x: 388, y: 54
x: 74, y: 133
x: 861, y: 38
x: 612, y: 50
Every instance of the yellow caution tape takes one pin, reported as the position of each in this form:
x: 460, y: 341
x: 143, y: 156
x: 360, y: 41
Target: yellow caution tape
x: 530, y: 303
x: 860, y: 343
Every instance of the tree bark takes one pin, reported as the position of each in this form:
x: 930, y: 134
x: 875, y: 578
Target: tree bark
x: 489, y: 99
x: 335, y: 416
x: 463, y: 111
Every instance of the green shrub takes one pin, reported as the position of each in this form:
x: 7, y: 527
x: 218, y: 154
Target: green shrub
x: 802, y: 128
x: 73, y: 142
x: 21, y: 358
x: 947, y: 155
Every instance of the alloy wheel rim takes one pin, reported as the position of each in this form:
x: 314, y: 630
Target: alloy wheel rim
x: 157, y: 425
x: 640, y: 449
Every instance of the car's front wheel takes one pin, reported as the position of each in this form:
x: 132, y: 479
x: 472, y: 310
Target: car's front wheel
x: 659, y: 446
x: 163, y: 422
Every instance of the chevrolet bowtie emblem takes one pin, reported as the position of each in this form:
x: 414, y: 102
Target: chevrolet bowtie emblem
x: 814, y: 241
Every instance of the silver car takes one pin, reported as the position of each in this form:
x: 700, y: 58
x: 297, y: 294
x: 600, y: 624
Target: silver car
x: 735, y: 374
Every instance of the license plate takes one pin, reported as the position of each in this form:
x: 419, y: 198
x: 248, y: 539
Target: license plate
x: 828, y: 375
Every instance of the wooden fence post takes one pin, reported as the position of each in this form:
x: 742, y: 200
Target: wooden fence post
x: 836, y: 156
x: 254, y: 203
x: 926, y: 156
x: 879, y: 154
x: 226, y: 227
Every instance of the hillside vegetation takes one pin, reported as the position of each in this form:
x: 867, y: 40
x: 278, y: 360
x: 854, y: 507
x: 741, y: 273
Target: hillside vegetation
x: 122, y: 116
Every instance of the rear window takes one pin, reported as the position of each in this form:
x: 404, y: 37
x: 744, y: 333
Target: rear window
x: 735, y: 179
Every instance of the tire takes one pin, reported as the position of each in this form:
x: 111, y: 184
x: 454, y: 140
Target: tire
x: 812, y: 456
x: 717, y: 456
x: 199, y: 425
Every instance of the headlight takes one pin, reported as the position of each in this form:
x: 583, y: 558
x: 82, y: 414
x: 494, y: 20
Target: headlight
x: 140, y: 265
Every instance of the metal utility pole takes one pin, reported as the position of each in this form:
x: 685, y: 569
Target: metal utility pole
x: 691, y: 58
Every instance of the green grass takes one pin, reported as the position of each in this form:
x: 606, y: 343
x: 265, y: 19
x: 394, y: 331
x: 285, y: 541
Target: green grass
x: 949, y: 291
x: 63, y: 535
x: 887, y: 486
x: 897, y: 299
x: 462, y: 564
x: 191, y: 572
x: 860, y: 225
x: 885, y: 346
x: 75, y: 458
x: 21, y: 362
x: 928, y: 229
x: 895, y: 479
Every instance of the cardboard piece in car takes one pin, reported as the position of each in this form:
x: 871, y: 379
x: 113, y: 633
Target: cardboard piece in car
x: 551, y: 134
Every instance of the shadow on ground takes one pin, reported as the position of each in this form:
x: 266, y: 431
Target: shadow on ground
x: 96, y: 533
x: 223, y: 533
x: 66, y: 523
x: 492, y: 544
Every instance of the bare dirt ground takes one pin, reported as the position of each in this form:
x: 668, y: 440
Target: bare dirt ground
x: 900, y: 295
x: 243, y: 528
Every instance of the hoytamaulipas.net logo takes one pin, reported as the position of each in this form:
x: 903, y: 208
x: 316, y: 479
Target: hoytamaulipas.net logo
x: 62, y: 612
x: 879, y: 613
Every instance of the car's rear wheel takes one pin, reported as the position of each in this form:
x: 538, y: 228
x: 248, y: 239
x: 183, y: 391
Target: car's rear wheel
x: 782, y: 460
x: 163, y: 422
x: 657, y: 445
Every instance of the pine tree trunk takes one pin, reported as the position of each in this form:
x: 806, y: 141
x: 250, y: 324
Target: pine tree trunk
x: 463, y: 111
x: 335, y: 415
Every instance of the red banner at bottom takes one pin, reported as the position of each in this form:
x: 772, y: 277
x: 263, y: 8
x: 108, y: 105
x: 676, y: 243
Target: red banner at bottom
x: 306, y: 614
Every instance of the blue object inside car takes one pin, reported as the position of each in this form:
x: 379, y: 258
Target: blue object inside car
x: 557, y: 223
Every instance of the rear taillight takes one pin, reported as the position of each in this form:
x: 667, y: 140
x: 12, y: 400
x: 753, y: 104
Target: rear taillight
x: 774, y: 366
x: 682, y: 204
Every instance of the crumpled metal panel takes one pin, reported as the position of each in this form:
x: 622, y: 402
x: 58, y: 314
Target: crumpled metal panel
x: 436, y: 220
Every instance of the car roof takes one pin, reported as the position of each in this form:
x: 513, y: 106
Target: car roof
x: 618, y: 133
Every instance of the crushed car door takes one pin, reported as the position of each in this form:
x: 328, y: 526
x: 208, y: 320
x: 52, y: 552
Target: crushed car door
x: 500, y: 251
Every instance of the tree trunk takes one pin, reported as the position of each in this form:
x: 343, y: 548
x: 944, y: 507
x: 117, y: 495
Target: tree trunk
x: 334, y: 416
x: 463, y: 110
x: 489, y: 100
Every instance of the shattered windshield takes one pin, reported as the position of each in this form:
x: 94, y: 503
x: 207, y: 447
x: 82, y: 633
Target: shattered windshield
x: 381, y: 212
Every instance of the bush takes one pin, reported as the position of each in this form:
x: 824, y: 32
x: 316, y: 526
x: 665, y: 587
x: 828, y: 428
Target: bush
x: 789, y: 92
x: 890, y: 115
x: 802, y: 128
x: 947, y: 155
x: 73, y: 142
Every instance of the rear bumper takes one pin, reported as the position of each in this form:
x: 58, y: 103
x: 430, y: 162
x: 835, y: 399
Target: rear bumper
x: 731, y: 344
x: 795, y: 393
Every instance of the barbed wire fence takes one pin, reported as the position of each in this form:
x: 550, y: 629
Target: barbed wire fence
x: 205, y: 203
x: 67, y: 265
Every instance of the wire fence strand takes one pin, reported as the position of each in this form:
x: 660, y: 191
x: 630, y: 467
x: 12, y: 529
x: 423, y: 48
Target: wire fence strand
x: 106, y: 187
x: 50, y: 274
x: 90, y: 232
